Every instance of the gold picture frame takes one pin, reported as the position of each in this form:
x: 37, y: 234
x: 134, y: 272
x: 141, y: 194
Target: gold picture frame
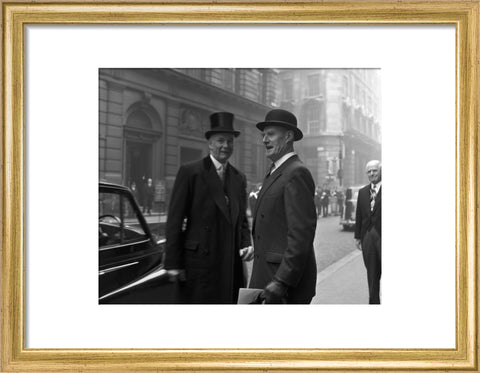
x: 463, y: 14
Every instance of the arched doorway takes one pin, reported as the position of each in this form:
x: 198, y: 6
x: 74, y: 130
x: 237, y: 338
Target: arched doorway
x: 142, y: 147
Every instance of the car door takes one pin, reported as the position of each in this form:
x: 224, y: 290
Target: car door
x: 126, y: 248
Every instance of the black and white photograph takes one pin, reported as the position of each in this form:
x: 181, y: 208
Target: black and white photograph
x: 240, y: 185
x: 232, y: 158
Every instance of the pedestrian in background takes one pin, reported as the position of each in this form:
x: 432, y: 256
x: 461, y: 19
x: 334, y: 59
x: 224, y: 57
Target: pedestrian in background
x: 368, y: 228
x: 285, y: 219
x: 333, y: 203
x: 141, y: 192
x: 340, y: 201
x: 318, y: 201
x: 325, y: 201
x: 149, y: 194
x: 207, y: 228
x: 133, y: 187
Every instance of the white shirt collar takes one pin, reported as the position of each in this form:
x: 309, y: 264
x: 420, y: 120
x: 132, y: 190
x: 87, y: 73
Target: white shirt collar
x: 281, y: 161
x: 376, y: 186
x: 216, y: 163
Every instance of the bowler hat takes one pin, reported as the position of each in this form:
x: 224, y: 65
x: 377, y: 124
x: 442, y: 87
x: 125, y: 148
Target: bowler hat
x: 221, y: 122
x: 282, y: 118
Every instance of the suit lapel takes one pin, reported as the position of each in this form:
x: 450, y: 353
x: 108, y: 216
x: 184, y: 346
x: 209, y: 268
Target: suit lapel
x: 232, y: 183
x: 269, y: 181
x: 215, y: 187
x: 377, y: 201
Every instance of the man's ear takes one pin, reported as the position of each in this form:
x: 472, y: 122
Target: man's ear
x: 209, y: 143
x: 290, y: 136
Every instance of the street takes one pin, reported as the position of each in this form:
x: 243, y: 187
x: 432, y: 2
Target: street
x: 331, y: 242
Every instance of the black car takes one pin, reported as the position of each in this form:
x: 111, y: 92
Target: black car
x: 130, y: 256
x: 347, y: 220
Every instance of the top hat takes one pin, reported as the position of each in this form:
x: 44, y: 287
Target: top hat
x: 282, y: 118
x: 221, y: 122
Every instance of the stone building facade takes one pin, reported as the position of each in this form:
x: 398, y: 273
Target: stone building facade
x: 339, y: 113
x: 153, y: 120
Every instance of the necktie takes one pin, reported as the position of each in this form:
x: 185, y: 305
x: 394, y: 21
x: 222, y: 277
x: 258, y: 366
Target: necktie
x: 373, y: 195
x: 221, y: 172
x: 272, y: 167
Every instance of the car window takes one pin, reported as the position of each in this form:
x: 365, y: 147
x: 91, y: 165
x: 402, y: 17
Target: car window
x: 118, y: 220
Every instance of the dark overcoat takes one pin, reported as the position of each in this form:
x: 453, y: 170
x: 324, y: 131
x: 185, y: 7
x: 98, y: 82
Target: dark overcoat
x: 283, y: 231
x: 206, y: 228
x: 365, y: 219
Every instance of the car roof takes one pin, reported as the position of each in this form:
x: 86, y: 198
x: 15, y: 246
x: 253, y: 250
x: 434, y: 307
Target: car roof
x: 104, y: 184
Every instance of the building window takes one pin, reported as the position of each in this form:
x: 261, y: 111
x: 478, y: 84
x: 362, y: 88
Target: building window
x: 195, y: 73
x: 313, y: 120
x: 139, y: 119
x: 313, y: 82
x: 287, y: 89
x: 346, y: 92
x: 229, y: 79
x: 346, y: 118
x: 357, y: 92
x: 332, y: 166
x: 356, y: 122
x: 262, y: 85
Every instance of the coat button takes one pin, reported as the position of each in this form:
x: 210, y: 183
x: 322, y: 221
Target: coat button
x: 207, y: 229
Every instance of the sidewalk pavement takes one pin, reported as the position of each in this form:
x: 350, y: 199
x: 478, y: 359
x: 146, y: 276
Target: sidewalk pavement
x: 344, y: 282
x: 155, y: 218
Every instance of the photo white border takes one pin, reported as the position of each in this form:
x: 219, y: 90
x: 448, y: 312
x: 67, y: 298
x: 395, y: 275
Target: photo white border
x: 418, y: 154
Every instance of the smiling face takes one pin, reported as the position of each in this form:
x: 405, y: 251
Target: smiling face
x: 374, y: 171
x: 278, y: 141
x: 221, y: 146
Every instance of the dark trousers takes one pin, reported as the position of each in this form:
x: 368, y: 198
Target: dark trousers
x: 340, y: 208
x: 372, y: 257
x: 325, y: 210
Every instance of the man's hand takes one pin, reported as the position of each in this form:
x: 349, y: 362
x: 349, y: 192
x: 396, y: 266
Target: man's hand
x: 358, y: 243
x: 275, y: 293
x: 246, y: 253
x: 175, y: 275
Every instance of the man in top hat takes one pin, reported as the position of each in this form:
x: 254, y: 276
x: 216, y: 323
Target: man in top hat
x: 207, y: 229
x: 284, y: 219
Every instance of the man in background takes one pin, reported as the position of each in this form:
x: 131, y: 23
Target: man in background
x: 368, y: 228
x: 149, y: 194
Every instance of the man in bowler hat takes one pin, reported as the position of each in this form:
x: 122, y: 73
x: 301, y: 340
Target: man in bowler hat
x: 284, y: 219
x: 207, y: 229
